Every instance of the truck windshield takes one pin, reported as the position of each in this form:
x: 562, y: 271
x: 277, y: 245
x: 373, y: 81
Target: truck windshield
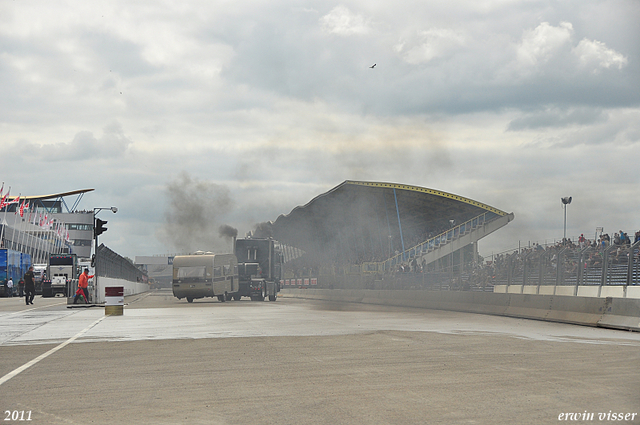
x: 191, y: 272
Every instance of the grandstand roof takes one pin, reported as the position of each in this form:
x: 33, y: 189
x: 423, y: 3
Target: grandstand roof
x: 362, y: 220
x: 55, y: 195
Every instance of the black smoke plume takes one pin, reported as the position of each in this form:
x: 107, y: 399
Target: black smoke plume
x: 226, y: 231
x: 193, y: 214
x: 263, y: 230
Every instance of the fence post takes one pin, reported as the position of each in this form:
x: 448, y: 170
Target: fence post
x: 631, y: 263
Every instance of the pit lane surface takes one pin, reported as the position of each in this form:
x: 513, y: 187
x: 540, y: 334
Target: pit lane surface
x: 298, y: 362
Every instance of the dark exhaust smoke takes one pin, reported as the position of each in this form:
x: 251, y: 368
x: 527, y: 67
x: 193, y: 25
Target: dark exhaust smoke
x: 226, y: 231
x: 193, y: 214
x: 263, y: 230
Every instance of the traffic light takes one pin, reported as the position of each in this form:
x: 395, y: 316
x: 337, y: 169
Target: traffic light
x: 99, y: 228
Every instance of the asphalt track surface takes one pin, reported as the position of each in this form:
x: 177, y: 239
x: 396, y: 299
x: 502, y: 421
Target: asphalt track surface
x: 300, y: 362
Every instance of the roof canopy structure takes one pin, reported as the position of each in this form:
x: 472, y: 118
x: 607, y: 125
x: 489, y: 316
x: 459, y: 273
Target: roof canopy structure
x: 52, y: 202
x: 369, y: 221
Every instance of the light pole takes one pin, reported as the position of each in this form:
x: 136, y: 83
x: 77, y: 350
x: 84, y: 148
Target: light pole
x: 98, y: 228
x: 565, y: 201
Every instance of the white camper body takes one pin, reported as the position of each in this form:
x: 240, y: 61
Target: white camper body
x: 205, y: 275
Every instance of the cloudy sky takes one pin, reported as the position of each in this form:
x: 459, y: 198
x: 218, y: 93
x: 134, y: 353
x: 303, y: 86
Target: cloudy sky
x: 233, y: 112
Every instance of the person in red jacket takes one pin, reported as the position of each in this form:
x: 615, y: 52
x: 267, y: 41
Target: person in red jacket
x: 83, y: 284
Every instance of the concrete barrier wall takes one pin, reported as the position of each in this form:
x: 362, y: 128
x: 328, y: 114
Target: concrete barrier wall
x: 618, y: 313
x: 514, y: 289
x: 633, y: 292
x: 565, y: 290
x: 547, y: 290
x: 588, y: 291
x: 130, y: 288
x: 612, y: 291
x: 596, y: 291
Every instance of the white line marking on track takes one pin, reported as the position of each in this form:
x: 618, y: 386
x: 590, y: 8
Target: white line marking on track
x: 25, y: 366
x: 30, y: 309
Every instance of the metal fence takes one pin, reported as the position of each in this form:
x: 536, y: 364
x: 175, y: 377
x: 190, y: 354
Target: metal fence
x: 110, y: 264
x: 614, y: 265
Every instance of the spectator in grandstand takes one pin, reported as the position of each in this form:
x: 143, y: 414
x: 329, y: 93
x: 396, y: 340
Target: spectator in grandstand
x: 637, y: 237
x: 618, y: 238
x: 582, y: 241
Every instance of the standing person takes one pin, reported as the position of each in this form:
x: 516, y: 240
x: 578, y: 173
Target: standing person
x: 10, y: 287
x: 21, y: 288
x: 29, y: 286
x: 83, y: 284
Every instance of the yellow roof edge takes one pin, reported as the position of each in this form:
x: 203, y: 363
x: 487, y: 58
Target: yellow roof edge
x: 430, y: 192
x: 54, y: 195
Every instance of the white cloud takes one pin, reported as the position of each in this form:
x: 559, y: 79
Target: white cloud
x: 84, y: 147
x: 342, y: 21
x: 595, y: 54
x: 539, y: 45
x: 423, y: 46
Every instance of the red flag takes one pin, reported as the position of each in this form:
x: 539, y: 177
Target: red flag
x: 23, y: 207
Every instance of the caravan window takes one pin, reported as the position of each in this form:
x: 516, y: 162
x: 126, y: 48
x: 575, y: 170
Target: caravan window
x: 217, y: 271
x: 227, y: 269
x: 191, y: 272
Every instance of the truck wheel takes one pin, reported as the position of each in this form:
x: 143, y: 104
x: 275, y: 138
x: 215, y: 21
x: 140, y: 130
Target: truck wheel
x: 229, y: 297
x: 272, y: 297
x: 189, y: 299
x: 236, y: 297
x: 221, y: 298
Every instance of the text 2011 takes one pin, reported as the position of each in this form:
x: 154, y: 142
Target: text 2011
x: 17, y: 415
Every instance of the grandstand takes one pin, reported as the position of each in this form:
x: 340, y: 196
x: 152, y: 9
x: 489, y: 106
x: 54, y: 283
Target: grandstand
x: 382, y: 226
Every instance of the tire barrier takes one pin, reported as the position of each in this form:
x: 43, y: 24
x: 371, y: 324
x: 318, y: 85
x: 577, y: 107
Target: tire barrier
x: 615, y: 313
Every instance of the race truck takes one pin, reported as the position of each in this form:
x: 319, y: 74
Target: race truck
x: 259, y: 268
x: 62, y: 273
x: 39, y: 274
x: 202, y: 275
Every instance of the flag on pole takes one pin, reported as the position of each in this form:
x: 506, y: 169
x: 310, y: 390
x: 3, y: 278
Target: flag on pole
x: 23, y: 206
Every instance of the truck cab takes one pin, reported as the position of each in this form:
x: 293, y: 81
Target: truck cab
x: 260, y: 268
x: 62, y: 273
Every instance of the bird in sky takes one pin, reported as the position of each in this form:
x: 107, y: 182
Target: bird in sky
x: 373, y: 66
